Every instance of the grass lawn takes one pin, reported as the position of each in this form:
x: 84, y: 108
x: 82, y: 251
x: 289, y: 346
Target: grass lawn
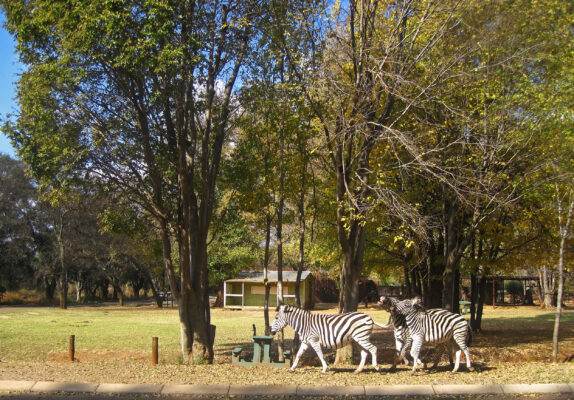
x: 113, y: 344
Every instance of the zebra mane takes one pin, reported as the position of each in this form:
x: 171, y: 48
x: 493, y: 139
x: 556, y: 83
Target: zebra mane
x: 287, y: 308
x: 386, y: 302
x: 408, y: 306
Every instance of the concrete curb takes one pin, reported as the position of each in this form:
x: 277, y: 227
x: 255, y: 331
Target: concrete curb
x: 468, y: 389
x: 54, y: 387
x: 284, y: 390
x: 400, y: 390
x: 200, y: 390
x: 538, y: 388
x: 128, y: 388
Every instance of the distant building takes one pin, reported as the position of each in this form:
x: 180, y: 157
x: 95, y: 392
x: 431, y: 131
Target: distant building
x: 247, y: 290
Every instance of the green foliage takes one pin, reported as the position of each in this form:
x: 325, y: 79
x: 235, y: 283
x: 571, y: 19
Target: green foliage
x: 386, y: 125
x: 18, y: 222
x: 233, y: 249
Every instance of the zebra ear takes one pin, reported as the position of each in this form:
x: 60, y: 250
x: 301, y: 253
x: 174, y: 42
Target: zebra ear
x: 417, y: 300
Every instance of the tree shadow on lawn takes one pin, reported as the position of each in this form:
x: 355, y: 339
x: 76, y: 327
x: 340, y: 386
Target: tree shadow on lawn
x: 511, y: 338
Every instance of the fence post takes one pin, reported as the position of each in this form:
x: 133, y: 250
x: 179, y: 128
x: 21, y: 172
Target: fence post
x: 154, y: 351
x: 72, y: 348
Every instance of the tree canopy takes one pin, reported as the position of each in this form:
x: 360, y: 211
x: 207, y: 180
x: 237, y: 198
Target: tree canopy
x: 421, y: 141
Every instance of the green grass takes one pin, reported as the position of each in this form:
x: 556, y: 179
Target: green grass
x: 42, y: 333
x: 37, y: 333
x: 113, y: 344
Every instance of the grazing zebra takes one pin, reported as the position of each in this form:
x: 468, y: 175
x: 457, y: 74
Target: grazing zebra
x: 331, y: 330
x: 434, y: 328
x: 401, y: 331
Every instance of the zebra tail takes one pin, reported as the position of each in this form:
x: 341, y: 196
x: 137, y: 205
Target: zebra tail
x: 388, y: 325
x: 469, y: 336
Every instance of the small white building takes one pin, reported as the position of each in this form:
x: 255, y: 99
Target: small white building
x: 247, y: 290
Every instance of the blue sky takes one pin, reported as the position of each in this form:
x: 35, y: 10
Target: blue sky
x: 9, y: 68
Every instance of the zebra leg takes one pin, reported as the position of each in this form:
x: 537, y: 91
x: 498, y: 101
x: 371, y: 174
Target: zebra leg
x: 301, y: 350
x: 366, y: 348
x: 403, y: 354
x: 457, y: 361
x: 374, y: 358
x: 415, y: 351
x: 317, y: 347
x: 361, y: 366
x: 462, y: 343
x: 408, y: 343
x: 398, y: 353
x: 450, y: 351
x: 466, y: 351
x: 467, y: 356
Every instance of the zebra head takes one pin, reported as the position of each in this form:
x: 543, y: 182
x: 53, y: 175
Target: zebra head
x: 280, y: 320
x: 387, y: 302
x: 408, y: 306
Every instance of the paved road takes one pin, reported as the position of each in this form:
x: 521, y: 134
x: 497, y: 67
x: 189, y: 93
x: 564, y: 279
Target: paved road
x: 97, y: 396
x: 103, y: 391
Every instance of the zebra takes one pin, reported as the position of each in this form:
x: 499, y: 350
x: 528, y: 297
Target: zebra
x: 333, y: 331
x: 401, y: 331
x: 434, y: 328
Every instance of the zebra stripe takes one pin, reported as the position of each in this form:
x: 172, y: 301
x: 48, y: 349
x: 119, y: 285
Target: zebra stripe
x: 333, y: 331
x: 401, y: 331
x: 438, y: 327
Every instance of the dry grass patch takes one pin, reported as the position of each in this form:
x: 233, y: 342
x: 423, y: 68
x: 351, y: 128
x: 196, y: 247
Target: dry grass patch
x: 113, y: 344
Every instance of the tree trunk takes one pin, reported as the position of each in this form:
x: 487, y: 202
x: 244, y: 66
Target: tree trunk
x: 51, y: 285
x: 302, y: 226
x: 350, y: 274
x: 167, y: 261
x: 266, y: 274
x: 121, y: 296
x: 280, y: 344
x: 200, y: 308
x: 63, y: 280
x: 407, y: 280
x: 434, y: 282
x: 481, y: 298
x: 451, y: 257
x: 473, y: 301
x: 564, y: 230
x: 547, y: 286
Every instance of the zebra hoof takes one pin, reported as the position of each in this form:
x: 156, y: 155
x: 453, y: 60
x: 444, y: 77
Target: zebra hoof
x: 357, y: 371
x: 291, y: 370
x: 471, y: 369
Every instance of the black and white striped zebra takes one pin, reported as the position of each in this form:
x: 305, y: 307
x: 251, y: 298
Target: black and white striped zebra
x: 434, y: 328
x: 330, y: 330
x: 401, y: 331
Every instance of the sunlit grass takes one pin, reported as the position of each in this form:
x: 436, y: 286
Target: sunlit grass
x: 42, y: 333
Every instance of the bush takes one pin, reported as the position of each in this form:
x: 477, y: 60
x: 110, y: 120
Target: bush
x: 22, y: 297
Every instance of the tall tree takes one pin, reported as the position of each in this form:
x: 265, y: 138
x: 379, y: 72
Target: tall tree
x: 370, y: 56
x: 137, y: 96
x: 18, y: 221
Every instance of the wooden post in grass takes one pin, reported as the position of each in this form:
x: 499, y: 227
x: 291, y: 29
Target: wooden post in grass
x: 72, y: 347
x: 154, y: 351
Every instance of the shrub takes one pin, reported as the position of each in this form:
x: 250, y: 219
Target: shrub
x: 21, y: 297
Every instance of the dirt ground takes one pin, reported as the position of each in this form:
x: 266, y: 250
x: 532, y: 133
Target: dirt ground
x: 497, y: 358
x: 515, y: 354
